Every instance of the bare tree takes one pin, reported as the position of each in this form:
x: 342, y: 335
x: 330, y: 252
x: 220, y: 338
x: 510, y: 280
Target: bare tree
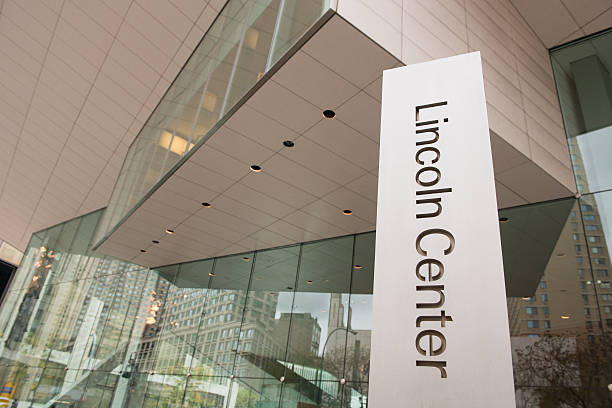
x: 560, y: 371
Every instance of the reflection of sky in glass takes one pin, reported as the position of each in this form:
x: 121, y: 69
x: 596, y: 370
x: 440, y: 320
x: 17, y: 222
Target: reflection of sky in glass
x: 595, y: 150
x: 362, y: 312
x: 317, y: 304
x: 604, y: 207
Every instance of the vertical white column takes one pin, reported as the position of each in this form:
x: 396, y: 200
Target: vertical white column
x: 440, y: 326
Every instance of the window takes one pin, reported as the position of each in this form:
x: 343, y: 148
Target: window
x: 542, y: 285
x: 579, y: 260
x: 589, y: 325
x: 544, y: 297
x: 575, y: 236
x: 545, y: 310
x: 600, y: 261
x: 585, y: 299
x: 587, y: 311
x: 582, y: 285
x: 547, y: 324
x: 607, y: 309
x: 606, y: 297
x: 586, y: 207
x: 580, y: 272
x: 601, y: 273
x: 591, y: 228
x: 533, y: 324
x: 597, y: 250
x: 594, y: 238
x: 531, y: 310
x: 589, y: 217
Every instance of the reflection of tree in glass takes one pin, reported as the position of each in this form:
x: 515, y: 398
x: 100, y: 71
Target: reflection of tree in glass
x: 557, y: 371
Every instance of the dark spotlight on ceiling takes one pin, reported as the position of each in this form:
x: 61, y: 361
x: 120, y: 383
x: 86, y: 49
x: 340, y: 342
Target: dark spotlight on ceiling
x: 329, y: 114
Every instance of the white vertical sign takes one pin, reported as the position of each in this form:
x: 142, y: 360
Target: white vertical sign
x: 440, y: 324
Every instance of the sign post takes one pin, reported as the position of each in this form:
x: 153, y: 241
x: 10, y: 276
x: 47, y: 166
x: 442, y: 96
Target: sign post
x: 440, y: 324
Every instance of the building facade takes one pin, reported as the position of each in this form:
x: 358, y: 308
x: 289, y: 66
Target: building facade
x: 229, y: 260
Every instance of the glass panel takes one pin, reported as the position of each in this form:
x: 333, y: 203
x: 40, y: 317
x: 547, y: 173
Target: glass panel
x: 320, y: 311
x: 207, y: 392
x: 217, y: 340
x: 324, y: 394
x: 254, y: 393
x: 295, y: 18
x: 360, y: 318
x: 554, y: 321
x: 584, y: 85
x: 355, y: 395
x: 265, y: 326
x: 233, y: 55
x: 158, y: 338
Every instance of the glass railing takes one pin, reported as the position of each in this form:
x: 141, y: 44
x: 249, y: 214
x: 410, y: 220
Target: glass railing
x: 245, y: 42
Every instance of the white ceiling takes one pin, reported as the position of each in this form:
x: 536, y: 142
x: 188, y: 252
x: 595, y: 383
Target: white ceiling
x: 558, y: 21
x: 78, y: 78
x: 301, y: 192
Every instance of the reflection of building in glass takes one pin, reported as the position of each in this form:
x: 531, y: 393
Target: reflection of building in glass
x: 205, y: 331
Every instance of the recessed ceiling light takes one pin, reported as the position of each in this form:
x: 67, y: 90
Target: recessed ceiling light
x: 329, y: 114
x: 245, y: 258
x: 561, y: 254
x: 288, y: 143
x: 347, y: 212
x: 289, y: 287
x: 169, y: 231
x: 565, y: 317
x: 255, y: 168
x: 504, y: 220
x: 309, y: 282
x: 357, y: 266
x: 206, y: 205
x: 326, y: 280
x: 526, y: 298
x: 155, y: 241
x: 144, y: 251
x: 211, y: 274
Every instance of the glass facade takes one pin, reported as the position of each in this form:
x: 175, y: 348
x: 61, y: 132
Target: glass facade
x: 242, y: 45
x: 288, y: 326
x: 279, y: 326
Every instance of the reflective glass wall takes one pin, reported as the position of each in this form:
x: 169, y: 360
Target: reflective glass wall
x: 562, y: 331
x: 288, y: 326
x: 243, y: 43
x: 278, y: 327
